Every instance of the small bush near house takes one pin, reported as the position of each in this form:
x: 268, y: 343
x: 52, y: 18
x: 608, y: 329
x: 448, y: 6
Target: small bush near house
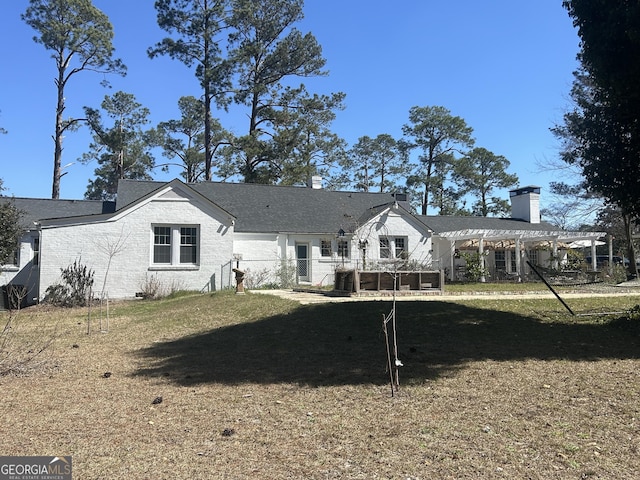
x: 286, y: 273
x: 574, y: 261
x: 152, y: 288
x: 475, y: 270
x: 257, y: 279
x: 618, y: 275
x: 73, y: 290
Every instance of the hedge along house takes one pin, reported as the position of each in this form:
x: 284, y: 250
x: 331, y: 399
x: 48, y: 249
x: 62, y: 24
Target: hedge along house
x: 505, y: 245
x: 181, y: 236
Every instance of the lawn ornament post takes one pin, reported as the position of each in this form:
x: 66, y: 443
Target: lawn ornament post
x: 239, y: 281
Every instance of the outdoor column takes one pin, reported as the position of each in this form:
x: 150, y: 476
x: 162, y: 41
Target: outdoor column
x: 452, y: 267
x: 555, y: 253
x: 594, y: 260
x: 518, y: 260
x: 481, y: 252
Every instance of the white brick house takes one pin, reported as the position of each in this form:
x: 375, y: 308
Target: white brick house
x: 173, y: 234
x: 191, y: 236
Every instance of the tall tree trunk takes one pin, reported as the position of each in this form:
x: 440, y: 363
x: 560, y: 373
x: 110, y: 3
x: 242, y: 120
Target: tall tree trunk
x: 207, y: 99
x: 57, y: 153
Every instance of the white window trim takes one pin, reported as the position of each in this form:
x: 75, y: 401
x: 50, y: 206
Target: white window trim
x: 175, y: 248
x: 330, y: 256
x: 392, y: 247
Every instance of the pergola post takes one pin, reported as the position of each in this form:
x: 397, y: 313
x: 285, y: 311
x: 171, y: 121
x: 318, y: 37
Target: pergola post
x: 452, y: 266
x: 483, y: 279
x: 518, y: 259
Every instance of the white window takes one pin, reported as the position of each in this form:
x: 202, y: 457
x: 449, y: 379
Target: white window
x: 162, y: 245
x: 393, y: 247
x: 175, y: 245
x: 501, y: 261
x: 513, y: 262
x: 36, y: 251
x: 385, y: 249
x: 401, y: 247
x: 343, y: 248
x: 325, y: 248
x: 189, y: 245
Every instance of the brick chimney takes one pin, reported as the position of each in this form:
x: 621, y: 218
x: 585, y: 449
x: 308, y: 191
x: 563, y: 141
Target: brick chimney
x: 525, y: 204
x: 315, y: 182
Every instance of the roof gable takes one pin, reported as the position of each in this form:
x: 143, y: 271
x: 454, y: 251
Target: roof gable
x: 274, y: 208
x: 175, y: 190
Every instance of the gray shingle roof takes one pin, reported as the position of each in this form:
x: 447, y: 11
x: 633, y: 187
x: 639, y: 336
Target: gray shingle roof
x: 275, y: 209
x: 272, y: 208
x: 35, y: 209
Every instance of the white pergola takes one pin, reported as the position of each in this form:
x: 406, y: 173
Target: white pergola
x: 518, y: 238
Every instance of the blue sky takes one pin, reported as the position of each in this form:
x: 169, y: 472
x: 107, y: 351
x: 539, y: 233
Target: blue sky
x: 504, y: 66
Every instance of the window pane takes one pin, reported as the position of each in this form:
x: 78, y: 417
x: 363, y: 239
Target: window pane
x: 162, y: 254
x: 161, y: 244
x: 401, y: 247
x: 385, y: 251
x: 162, y: 235
x: 501, y: 261
x: 188, y: 245
x: 343, y: 248
x: 36, y: 251
x: 325, y: 248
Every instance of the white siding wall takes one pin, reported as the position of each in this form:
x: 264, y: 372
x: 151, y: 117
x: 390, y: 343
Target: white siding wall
x: 263, y: 254
x: 130, y: 268
x: 260, y: 254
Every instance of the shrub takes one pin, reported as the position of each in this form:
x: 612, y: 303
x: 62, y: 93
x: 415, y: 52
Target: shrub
x: 475, y: 270
x: 74, y: 288
x: 150, y: 288
x: 257, y: 279
x: 286, y: 273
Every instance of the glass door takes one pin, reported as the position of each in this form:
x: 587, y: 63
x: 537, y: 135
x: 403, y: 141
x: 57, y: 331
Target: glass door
x: 302, y: 262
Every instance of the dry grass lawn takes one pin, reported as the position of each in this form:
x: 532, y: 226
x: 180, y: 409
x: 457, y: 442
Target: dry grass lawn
x: 259, y: 387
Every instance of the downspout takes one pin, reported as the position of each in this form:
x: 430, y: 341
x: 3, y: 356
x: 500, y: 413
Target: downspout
x: 39, y: 261
x: 483, y: 279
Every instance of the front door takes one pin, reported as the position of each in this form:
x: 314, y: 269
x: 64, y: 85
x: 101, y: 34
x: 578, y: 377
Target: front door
x: 303, y: 269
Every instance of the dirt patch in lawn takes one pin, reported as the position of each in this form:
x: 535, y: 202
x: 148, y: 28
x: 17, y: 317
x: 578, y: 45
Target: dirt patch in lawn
x: 225, y: 386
